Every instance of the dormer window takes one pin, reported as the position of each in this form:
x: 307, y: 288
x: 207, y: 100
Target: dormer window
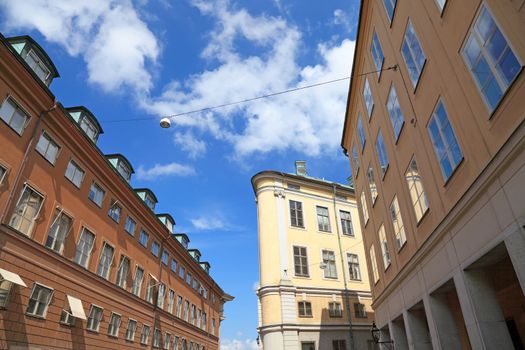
x: 88, y: 127
x: 148, y: 197
x: 183, y: 239
x: 35, y: 57
x: 37, y: 65
x: 167, y: 220
x: 86, y: 121
x: 121, y: 164
x: 195, y: 254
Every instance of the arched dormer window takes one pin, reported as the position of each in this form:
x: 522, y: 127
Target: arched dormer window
x: 167, y: 220
x: 122, y: 165
x: 183, y: 239
x: 86, y: 121
x: 148, y: 197
x: 35, y: 57
x: 195, y: 254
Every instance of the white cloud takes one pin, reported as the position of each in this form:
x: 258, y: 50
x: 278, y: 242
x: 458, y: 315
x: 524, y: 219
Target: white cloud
x: 190, y: 144
x: 238, y: 344
x: 206, y: 223
x: 341, y: 18
x: 308, y: 121
x: 164, y: 170
x: 114, y: 42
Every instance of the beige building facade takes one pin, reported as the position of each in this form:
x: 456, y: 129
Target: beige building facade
x: 434, y: 131
x: 314, y: 292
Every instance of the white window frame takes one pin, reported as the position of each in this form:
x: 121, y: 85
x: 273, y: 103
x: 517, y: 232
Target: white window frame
x: 126, y: 228
x: 56, y: 228
x: 302, y: 310
x: 122, y: 280
x: 155, y: 244
x: 95, y: 325
x: 332, y: 274
x: 347, y: 227
x: 45, y: 141
x: 373, y: 262
x: 397, y: 223
x: 107, y: 273
x: 171, y: 300
x: 144, y: 334
x: 421, y: 201
x: 21, y: 217
x: 21, y: 112
x: 143, y: 233
x: 113, y: 329
x: 136, y: 286
x: 412, y: 56
x: 99, y: 189
x: 76, y: 170
x: 368, y: 98
x: 395, y: 113
x: 130, y: 332
x: 372, y: 184
x: 364, y: 208
x: 88, y: 258
x: 351, y: 256
x: 321, y: 217
x: 40, y: 63
x: 385, y: 252
x: 299, y: 220
x: 34, y: 312
x: 115, y: 211
x: 7, y: 287
x: 156, y: 338
x: 334, y: 309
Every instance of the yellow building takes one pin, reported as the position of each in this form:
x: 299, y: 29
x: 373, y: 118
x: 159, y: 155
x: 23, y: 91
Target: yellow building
x: 312, y: 264
x: 436, y: 135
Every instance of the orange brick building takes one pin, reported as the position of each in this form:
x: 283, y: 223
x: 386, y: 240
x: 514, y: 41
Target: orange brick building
x: 84, y: 260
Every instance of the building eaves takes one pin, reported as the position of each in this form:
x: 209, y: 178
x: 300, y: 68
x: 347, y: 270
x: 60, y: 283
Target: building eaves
x: 33, y: 43
x: 87, y: 111
x: 357, y: 42
x: 121, y: 157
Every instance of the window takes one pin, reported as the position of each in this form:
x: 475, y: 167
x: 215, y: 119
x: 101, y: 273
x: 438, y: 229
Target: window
x: 130, y: 226
x: 124, y: 170
x: 39, y: 300
x: 355, y: 159
x: 74, y: 173
x: 150, y: 290
x: 182, y: 272
x: 204, y: 324
x: 369, y: 99
x: 156, y: 338
x: 334, y: 309
x: 94, y: 318
x: 137, y: 281
x: 47, y: 148
x: 26, y: 210
x: 307, y: 345
x: 179, y: 306
x: 123, y: 272
x: 165, y: 257
x: 84, y: 248
x: 193, y: 314
x: 96, y: 194
x: 5, y: 291
x: 330, y: 270
x: 195, y: 284
x: 444, y: 141
x: 173, y: 265
x: 339, y: 344
x: 176, y: 343
x: 36, y: 64
x: 144, y: 335
x: 397, y: 222
x: 360, y: 311
x: 390, y: 6
x: 323, y: 221
x: 199, y: 317
x: 130, y: 331
x: 377, y: 54
x: 114, y: 211
x: 149, y: 201
x: 296, y: 214
x: 300, y: 261
x: 346, y: 223
x: 384, y: 246
x: 353, y: 267
x: 171, y: 300
x: 372, y: 184
x: 413, y: 54
x: 167, y: 340
x: 395, y: 113
x: 58, y: 231
x: 361, y: 132
x: 213, y: 326
x: 294, y: 187
x: 160, y: 295
x: 105, y: 260
x: 67, y: 318
x: 415, y: 188
x: 381, y: 153
x: 13, y: 115
x: 188, y: 278
x: 3, y: 172
x: 373, y: 261
x: 364, y: 207
x: 186, y: 310
x: 305, y: 309
x: 88, y: 127
x: 155, y: 248
x: 490, y: 59
x: 114, y: 324
x: 143, y: 238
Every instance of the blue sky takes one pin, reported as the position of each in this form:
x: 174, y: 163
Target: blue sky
x: 142, y: 59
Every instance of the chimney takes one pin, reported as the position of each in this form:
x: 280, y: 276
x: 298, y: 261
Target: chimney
x: 300, y: 167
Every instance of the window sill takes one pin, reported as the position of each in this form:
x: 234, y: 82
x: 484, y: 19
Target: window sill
x: 36, y: 316
x: 309, y: 316
x: 496, y: 107
x: 325, y: 232
x: 422, y: 217
x: 71, y: 182
x: 453, y: 172
x: 47, y: 160
x: 98, y: 205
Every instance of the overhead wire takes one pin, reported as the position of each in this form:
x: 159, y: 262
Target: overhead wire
x: 252, y: 98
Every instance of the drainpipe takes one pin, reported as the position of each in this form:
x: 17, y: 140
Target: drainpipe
x: 22, y: 168
x: 346, y: 291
